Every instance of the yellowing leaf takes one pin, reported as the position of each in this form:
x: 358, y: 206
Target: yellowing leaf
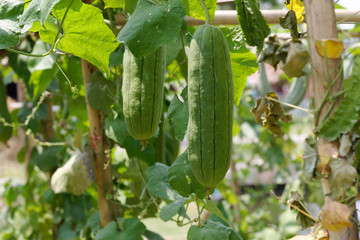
x: 335, y: 216
x: 332, y: 47
x: 298, y: 7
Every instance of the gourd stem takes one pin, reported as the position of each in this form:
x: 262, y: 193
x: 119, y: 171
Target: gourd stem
x: 206, y: 10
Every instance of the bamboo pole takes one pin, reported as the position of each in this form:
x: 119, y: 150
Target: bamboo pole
x: 321, y: 24
x: 107, y: 210
x: 229, y: 17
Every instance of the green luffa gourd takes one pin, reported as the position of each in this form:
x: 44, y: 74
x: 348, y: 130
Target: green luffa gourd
x: 143, y: 91
x: 210, y: 99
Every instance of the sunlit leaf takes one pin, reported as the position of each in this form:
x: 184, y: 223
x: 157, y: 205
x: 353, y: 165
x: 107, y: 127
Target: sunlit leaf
x: 10, y: 11
x: 298, y: 7
x: 329, y: 48
x: 193, y: 9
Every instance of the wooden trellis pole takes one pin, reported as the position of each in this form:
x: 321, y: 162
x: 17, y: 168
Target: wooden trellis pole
x: 321, y: 24
x: 229, y: 17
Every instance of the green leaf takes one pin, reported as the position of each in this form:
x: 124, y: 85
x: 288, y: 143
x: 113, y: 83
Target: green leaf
x: 211, y: 207
x: 252, y: 22
x: 10, y: 11
x: 182, y: 179
x: 114, y: 4
x: 116, y: 130
x: 212, y: 230
x: 243, y: 65
x: 152, y: 236
x: 170, y: 210
x: 158, y: 182
x: 85, y: 33
x: 132, y: 229
x: 37, y: 10
x: 235, y: 39
x: 178, y: 113
x: 40, y: 157
x: 100, y: 92
x: 40, y: 63
x: 152, y: 26
x: 193, y: 9
x: 108, y: 232
x: 47, y: 32
x: 40, y: 80
x: 347, y: 112
x: 66, y: 232
x: 134, y: 147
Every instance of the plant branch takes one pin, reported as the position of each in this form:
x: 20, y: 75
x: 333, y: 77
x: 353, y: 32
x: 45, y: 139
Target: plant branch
x: 290, y: 105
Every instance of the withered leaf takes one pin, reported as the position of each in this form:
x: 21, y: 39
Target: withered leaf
x: 268, y: 113
x: 297, y: 57
x: 290, y: 22
x: 343, y: 175
x: 332, y: 48
x: 302, y: 219
x: 335, y: 216
x: 310, y: 158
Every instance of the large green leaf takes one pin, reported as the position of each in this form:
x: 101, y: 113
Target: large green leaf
x: 347, y: 112
x: 193, y: 9
x: 152, y: 26
x: 158, y: 182
x: 170, y: 210
x: 212, y: 230
x: 243, y: 65
x: 182, y: 178
x: 10, y: 11
x: 42, y: 69
x: 37, y: 10
x: 100, y: 92
x: 85, y: 33
x: 252, y: 22
x: 131, y: 228
x: 178, y: 113
x: 243, y: 62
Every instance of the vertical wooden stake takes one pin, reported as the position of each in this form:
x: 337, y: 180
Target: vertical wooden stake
x: 321, y: 24
x: 101, y: 161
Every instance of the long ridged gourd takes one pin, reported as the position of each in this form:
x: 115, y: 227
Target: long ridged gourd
x: 210, y: 99
x: 5, y: 131
x: 143, y: 91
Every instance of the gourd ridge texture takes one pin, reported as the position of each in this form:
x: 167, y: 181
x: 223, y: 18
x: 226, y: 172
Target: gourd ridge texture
x: 143, y: 91
x: 210, y: 99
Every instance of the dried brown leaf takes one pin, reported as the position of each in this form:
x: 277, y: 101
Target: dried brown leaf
x: 335, y: 216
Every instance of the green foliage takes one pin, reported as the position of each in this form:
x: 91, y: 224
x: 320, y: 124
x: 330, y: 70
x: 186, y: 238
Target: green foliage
x: 131, y: 228
x: 193, y: 9
x: 347, y: 112
x: 252, y: 23
x: 243, y: 62
x: 37, y: 10
x: 158, y: 182
x: 5, y: 118
x: 162, y: 22
x: 182, y: 179
x: 100, y: 92
x: 10, y: 11
x: 178, y: 114
x: 212, y: 230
